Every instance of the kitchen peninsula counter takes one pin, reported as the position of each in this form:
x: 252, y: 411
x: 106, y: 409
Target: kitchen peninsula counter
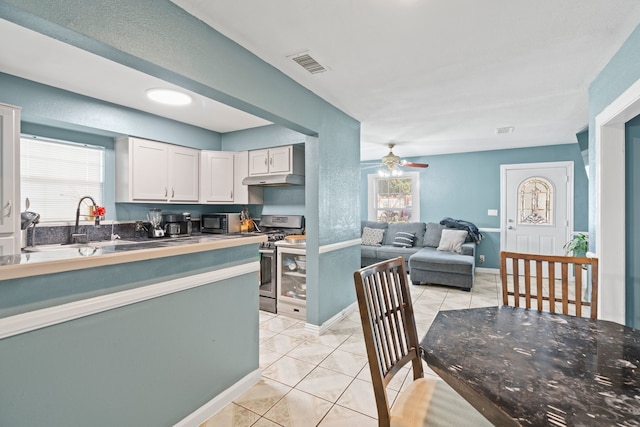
x: 178, y: 314
x: 60, y: 258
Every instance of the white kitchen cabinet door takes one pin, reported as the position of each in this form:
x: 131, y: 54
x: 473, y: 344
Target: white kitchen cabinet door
x: 280, y: 160
x: 258, y: 162
x: 9, y: 179
x: 184, y: 174
x: 149, y: 170
x: 245, y: 194
x: 217, y: 173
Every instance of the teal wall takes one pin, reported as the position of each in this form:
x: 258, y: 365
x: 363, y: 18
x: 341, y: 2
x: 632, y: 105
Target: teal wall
x: 622, y: 71
x: 147, y: 364
x: 466, y: 185
x: 632, y: 214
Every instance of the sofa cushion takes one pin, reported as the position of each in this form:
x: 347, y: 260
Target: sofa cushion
x: 389, y: 252
x: 417, y: 228
x: 452, y: 240
x: 404, y: 239
x: 369, y: 251
x: 449, y: 262
x: 433, y: 234
x: 372, y: 236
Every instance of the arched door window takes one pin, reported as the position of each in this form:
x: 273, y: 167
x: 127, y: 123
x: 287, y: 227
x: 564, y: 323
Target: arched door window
x: 535, y: 202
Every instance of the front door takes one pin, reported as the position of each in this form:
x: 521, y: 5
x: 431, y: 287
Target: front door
x: 537, y: 207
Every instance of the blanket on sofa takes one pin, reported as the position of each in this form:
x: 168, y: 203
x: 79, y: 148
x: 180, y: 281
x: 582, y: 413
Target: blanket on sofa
x: 459, y: 224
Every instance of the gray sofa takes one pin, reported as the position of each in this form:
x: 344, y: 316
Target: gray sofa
x: 424, y: 262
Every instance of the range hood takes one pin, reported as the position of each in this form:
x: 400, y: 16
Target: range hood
x: 274, y: 180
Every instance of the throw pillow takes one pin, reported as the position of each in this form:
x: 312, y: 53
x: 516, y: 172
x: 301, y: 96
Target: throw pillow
x: 433, y: 234
x: 404, y: 239
x: 372, y: 236
x: 452, y: 240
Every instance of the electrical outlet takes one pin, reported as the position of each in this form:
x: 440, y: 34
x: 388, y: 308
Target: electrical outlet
x: 481, y: 258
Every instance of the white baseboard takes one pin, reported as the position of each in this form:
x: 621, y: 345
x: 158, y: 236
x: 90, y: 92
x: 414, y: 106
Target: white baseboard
x: 487, y: 270
x: 319, y: 330
x: 210, y: 408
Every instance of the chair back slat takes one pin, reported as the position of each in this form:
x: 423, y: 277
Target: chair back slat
x: 568, y: 294
x: 552, y: 285
x: 389, y: 327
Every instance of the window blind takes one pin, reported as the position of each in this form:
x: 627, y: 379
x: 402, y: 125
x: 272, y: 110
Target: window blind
x: 54, y: 176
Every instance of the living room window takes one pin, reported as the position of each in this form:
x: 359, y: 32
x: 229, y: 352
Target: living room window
x: 54, y: 175
x: 394, y: 199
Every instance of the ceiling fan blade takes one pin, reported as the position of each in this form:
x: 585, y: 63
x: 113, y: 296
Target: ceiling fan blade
x: 415, y: 165
x: 371, y: 166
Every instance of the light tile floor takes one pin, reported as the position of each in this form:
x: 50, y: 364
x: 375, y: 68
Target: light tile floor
x: 310, y: 380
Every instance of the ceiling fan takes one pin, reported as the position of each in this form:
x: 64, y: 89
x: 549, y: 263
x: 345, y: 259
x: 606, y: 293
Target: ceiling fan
x: 394, y: 163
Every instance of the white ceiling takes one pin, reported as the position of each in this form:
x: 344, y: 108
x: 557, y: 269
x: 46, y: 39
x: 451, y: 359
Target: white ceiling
x: 433, y: 76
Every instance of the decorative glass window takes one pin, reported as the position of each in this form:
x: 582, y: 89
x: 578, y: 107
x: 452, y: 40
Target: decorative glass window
x: 535, y: 202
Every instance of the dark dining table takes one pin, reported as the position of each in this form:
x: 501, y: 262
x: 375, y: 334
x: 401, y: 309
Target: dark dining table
x: 522, y: 367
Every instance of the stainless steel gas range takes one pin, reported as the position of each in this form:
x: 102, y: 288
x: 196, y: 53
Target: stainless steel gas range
x: 277, y: 228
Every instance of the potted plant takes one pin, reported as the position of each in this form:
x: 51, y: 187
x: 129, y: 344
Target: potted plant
x: 578, y: 245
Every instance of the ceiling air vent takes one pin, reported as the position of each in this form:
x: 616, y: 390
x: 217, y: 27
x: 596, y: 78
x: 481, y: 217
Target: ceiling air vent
x: 307, y: 62
x: 508, y: 129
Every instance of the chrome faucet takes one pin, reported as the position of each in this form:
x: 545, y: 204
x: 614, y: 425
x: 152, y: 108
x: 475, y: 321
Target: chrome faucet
x: 75, y: 233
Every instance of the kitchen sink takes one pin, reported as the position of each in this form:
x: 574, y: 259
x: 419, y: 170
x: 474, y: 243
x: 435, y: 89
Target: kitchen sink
x: 83, y: 246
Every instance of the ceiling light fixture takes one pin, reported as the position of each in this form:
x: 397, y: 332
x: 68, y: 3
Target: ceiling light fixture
x: 168, y: 96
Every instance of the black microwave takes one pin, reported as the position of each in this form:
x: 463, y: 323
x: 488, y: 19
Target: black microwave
x: 220, y: 223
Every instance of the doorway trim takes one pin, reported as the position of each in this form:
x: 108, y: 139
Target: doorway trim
x: 503, y: 193
x: 609, y: 165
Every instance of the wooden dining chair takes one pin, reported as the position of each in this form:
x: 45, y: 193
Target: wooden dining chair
x: 392, y: 342
x: 529, y: 278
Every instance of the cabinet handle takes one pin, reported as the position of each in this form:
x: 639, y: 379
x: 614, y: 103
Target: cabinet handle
x: 173, y: 193
x: 265, y: 161
x: 231, y: 195
x: 10, y: 207
x: 271, y: 161
x: 166, y: 191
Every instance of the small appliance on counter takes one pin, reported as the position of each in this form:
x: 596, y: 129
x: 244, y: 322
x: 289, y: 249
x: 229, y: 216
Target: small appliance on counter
x: 155, y: 219
x: 177, y: 225
x: 220, y: 223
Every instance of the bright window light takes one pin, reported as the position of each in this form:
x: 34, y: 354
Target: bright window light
x: 168, y: 96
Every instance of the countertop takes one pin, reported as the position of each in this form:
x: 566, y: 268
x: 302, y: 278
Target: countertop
x: 58, y: 258
x: 524, y: 367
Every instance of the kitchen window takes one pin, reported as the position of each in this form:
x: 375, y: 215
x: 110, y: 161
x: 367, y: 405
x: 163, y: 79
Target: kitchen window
x: 54, y: 175
x: 394, y: 199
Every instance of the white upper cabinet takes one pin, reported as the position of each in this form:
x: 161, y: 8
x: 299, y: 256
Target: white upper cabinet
x: 151, y: 171
x: 245, y: 194
x: 258, y: 162
x: 277, y: 160
x: 184, y: 174
x: 216, y: 176
x: 9, y: 180
x: 221, y: 175
x: 281, y: 159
